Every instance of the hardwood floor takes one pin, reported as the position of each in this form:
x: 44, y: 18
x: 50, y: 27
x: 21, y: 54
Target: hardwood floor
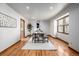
x: 62, y: 50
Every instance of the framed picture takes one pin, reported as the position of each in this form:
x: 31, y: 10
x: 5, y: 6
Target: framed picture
x: 7, y: 21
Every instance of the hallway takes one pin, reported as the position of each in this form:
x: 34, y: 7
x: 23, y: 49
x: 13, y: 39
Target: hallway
x: 62, y: 50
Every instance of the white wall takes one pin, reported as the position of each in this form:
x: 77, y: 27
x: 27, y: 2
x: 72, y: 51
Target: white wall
x: 9, y: 36
x: 44, y: 26
x: 53, y: 27
x: 74, y: 29
x: 73, y: 37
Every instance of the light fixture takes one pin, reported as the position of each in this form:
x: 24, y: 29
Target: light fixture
x: 27, y: 7
x: 33, y: 18
x: 51, y: 7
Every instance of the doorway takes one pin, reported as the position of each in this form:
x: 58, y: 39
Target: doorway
x: 22, y: 29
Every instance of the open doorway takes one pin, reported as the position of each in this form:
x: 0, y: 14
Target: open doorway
x: 22, y: 29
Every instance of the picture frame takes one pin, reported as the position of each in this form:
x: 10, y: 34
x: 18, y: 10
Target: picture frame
x: 7, y: 21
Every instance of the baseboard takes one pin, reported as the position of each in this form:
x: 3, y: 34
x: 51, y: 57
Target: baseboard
x: 9, y: 47
x: 58, y: 38
x: 52, y: 36
x: 62, y: 40
x: 73, y: 49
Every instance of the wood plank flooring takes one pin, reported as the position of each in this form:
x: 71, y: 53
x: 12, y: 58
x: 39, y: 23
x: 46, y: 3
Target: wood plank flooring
x: 62, y: 50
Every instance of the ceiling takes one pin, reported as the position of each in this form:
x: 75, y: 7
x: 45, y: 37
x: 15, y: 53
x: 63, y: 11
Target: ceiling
x: 37, y: 11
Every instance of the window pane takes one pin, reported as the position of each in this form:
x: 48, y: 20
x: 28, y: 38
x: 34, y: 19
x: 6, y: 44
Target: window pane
x: 67, y: 20
x: 61, y: 22
x: 60, y: 29
x: 66, y: 29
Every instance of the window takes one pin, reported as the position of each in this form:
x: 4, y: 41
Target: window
x: 63, y: 25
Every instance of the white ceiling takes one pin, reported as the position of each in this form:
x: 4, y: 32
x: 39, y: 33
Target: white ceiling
x: 37, y: 11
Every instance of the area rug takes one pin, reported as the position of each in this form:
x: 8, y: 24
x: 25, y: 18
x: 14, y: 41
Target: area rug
x: 38, y: 46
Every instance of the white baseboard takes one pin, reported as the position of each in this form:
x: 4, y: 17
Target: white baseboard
x: 73, y: 48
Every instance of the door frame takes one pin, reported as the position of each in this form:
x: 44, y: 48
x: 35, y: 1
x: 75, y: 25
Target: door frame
x: 23, y: 27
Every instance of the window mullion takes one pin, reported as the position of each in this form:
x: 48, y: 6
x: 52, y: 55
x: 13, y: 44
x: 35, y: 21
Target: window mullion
x: 63, y: 25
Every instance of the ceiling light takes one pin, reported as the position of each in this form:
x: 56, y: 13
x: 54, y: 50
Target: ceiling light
x: 51, y: 7
x: 27, y: 7
x: 33, y: 18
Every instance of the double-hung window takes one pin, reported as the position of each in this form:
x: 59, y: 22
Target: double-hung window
x: 63, y: 25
